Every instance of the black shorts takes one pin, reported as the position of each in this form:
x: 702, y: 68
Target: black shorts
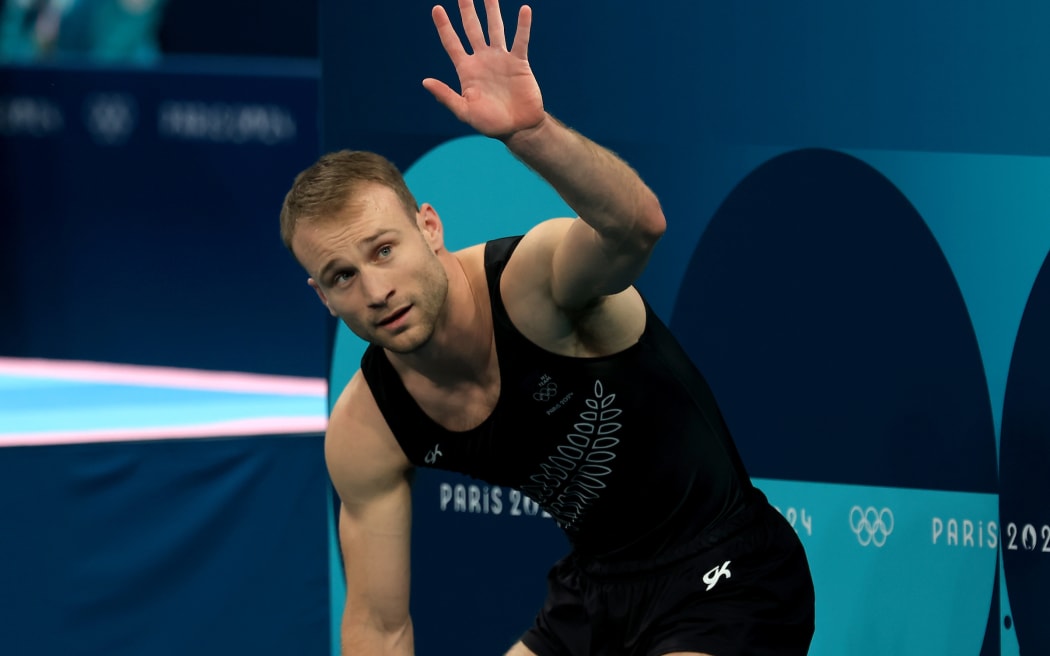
x: 743, y: 589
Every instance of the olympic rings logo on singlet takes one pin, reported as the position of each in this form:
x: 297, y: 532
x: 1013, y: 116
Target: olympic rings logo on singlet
x: 545, y: 393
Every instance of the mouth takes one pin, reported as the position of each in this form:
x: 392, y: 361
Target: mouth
x: 394, y: 317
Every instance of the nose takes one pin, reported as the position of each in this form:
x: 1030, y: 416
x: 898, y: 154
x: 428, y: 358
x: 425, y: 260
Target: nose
x: 377, y: 288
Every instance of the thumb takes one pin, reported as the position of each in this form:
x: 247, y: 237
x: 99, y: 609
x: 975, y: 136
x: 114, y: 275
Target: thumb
x: 446, y: 96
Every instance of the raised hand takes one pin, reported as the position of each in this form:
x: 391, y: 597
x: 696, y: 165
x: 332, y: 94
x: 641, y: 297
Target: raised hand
x: 498, y: 94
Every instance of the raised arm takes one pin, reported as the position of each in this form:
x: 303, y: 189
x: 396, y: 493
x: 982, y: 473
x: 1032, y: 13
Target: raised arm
x: 370, y: 473
x: 621, y: 217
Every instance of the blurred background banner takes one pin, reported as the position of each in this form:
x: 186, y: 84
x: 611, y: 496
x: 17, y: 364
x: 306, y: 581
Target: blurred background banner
x: 138, y: 32
x: 140, y: 214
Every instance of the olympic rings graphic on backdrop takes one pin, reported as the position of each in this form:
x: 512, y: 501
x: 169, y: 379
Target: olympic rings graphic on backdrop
x: 110, y: 117
x: 546, y: 393
x: 872, y: 526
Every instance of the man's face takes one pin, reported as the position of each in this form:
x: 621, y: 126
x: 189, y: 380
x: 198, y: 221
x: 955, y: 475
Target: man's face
x: 376, y: 268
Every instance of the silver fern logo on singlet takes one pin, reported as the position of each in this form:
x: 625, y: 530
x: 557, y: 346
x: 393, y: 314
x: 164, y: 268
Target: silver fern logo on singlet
x: 573, y: 478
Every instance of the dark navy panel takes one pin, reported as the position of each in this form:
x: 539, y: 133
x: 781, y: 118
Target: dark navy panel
x: 950, y: 77
x: 834, y: 334
x: 206, y: 547
x: 1024, y: 497
x: 479, y: 564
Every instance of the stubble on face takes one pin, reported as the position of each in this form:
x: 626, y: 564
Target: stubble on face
x: 426, y: 290
x: 415, y: 274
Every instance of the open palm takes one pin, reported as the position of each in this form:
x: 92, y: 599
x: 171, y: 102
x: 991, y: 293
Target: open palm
x: 499, y: 95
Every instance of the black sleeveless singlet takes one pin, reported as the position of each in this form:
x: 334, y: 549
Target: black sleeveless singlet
x: 628, y: 452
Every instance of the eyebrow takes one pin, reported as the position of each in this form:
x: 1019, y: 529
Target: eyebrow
x: 367, y: 242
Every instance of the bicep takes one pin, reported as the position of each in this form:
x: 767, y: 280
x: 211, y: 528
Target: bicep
x: 575, y: 265
x: 586, y: 265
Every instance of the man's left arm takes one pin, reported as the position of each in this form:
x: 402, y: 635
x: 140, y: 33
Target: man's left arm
x: 621, y: 219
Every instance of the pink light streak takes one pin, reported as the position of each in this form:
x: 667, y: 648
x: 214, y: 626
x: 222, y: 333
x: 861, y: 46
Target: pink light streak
x: 197, y: 379
x: 260, y: 426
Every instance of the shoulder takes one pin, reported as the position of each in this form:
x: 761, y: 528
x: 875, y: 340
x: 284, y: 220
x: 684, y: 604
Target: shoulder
x: 472, y: 258
x: 540, y: 243
x: 527, y: 277
x: 362, y: 455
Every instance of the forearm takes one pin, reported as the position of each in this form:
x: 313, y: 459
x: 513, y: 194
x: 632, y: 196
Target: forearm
x: 599, y: 186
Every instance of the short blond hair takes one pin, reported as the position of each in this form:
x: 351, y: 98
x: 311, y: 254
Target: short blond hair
x: 330, y: 184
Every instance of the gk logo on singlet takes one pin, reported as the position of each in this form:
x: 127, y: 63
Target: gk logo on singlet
x: 433, y: 455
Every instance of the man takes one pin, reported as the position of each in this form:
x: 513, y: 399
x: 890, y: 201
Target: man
x: 533, y: 362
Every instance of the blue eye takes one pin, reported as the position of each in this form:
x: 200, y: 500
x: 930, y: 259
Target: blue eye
x: 385, y: 251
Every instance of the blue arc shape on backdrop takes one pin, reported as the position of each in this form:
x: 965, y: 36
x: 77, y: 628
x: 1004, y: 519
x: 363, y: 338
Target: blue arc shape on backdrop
x: 1024, y: 461
x: 834, y: 334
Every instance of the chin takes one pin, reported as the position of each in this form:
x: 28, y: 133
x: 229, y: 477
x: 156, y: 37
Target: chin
x: 407, y: 344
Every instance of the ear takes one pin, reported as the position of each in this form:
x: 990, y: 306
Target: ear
x: 320, y: 295
x: 429, y: 223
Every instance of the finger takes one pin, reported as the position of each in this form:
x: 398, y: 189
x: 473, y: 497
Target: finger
x: 497, y: 38
x: 472, y: 24
x: 446, y: 96
x: 449, y: 39
x: 522, y: 32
